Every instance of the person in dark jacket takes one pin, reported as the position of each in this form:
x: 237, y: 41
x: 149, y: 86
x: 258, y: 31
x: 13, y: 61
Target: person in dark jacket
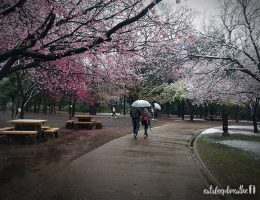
x: 135, y: 114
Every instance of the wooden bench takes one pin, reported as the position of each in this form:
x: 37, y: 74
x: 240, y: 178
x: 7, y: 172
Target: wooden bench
x: 213, y: 118
x: 54, y: 131
x: 7, y: 129
x: 98, y: 124
x: 69, y: 124
x: 88, y: 125
x: 18, y: 132
x: 12, y: 133
x: 45, y: 127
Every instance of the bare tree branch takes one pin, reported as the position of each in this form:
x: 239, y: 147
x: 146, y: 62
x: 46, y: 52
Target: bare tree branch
x: 12, y: 8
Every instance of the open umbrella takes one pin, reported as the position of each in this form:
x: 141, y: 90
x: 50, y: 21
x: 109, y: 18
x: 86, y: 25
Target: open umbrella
x: 157, y: 106
x: 141, y: 104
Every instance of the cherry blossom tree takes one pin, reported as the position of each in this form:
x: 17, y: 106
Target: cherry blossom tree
x: 108, y: 34
x: 247, y: 92
x: 210, y: 83
x: 225, y: 57
x: 163, y: 58
x: 64, y: 77
x: 110, y: 74
x: 40, y: 31
x: 232, y: 39
x: 27, y: 89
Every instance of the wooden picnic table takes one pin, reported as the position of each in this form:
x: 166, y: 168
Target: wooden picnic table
x: 84, y: 121
x: 83, y: 118
x: 29, y: 125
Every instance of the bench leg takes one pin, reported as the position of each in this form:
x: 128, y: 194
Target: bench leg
x: 43, y: 137
x: 76, y: 127
x: 38, y: 137
x: 69, y: 125
x: 10, y: 139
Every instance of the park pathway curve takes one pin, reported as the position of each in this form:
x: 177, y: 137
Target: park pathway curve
x: 160, y: 167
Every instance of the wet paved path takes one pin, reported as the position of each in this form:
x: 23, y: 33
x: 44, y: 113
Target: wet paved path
x: 160, y: 167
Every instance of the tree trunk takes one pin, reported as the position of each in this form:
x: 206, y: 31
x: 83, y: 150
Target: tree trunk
x: 200, y: 111
x: 54, y: 106
x: 22, y: 94
x: 167, y: 109
x: 44, y: 104
x: 182, y: 109
x: 35, y: 107
x: 39, y: 107
x: 249, y: 114
x: 179, y: 109
x: 192, y: 114
x: 73, y: 108
x: 22, y: 111
x: 254, y: 118
x: 13, y: 108
x: 60, y: 105
x: 205, y: 110
x: 191, y: 108
x: 92, y: 109
x: 237, y: 113
x: 255, y: 123
x: 70, y: 110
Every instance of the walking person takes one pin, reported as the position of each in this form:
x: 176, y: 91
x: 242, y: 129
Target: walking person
x: 152, y: 112
x: 135, y: 114
x: 113, y: 112
x: 146, y: 121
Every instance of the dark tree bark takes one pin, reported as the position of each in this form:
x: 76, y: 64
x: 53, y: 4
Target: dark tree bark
x: 93, y: 109
x: 73, y: 108
x: 254, y: 108
x: 205, y: 110
x: 237, y: 113
x: 182, y: 109
x: 191, y: 108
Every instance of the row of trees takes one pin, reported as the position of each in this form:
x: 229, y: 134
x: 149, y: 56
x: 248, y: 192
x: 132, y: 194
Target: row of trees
x: 219, y: 64
x: 228, y: 49
x: 81, y: 50
x: 97, y: 51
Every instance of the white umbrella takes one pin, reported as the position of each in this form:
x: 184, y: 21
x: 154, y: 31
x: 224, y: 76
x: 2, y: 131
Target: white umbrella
x: 141, y: 104
x: 157, y: 106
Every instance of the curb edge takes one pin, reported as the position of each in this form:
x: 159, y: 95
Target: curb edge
x: 211, y: 180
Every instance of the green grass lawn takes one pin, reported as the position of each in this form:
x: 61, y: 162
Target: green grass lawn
x: 230, y: 166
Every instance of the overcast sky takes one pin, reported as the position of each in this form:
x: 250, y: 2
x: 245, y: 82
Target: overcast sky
x: 203, y: 7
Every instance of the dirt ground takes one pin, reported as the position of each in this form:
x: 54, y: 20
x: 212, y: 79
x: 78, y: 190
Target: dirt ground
x: 31, y: 161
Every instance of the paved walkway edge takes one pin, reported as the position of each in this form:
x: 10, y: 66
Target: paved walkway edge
x: 201, y: 165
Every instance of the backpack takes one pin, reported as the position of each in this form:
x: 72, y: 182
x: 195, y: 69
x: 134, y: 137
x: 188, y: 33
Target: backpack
x: 134, y: 113
x: 145, y: 118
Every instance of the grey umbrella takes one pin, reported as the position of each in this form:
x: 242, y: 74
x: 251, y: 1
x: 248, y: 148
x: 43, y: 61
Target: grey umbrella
x: 157, y: 106
x: 141, y: 104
